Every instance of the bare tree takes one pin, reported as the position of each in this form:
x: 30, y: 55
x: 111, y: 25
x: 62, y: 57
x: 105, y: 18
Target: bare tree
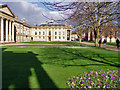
x: 91, y: 14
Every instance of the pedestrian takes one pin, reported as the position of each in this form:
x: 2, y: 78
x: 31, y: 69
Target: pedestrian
x: 99, y: 43
x: 117, y: 42
x: 104, y: 43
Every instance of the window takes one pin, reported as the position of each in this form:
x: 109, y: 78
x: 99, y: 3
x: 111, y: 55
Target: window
x: 35, y: 28
x: 49, y: 32
x: 35, y: 33
x: 39, y: 37
x: 63, y: 33
x: 55, y: 33
x: 59, y: 33
x: 39, y: 28
x: 43, y: 33
x: 59, y: 37
x: 39, y: 33
x: 55, y: 37
x: 43, y: 37
x: 63, y: 37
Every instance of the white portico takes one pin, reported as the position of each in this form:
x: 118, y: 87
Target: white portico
x: 7, y: 33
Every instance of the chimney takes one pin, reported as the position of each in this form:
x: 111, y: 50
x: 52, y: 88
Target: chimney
x: 66, y: 23
x: 46, y: 22
x: 23, y: 20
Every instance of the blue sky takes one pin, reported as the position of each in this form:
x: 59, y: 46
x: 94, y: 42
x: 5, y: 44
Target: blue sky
x: 32, y: 11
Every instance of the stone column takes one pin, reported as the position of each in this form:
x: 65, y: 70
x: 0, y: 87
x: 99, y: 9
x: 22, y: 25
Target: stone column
x: 2, y: 30
x: 12, y: 31
x: 6, y: 31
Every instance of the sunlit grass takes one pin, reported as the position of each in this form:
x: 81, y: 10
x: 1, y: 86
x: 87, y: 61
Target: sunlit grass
x: 50, y: 67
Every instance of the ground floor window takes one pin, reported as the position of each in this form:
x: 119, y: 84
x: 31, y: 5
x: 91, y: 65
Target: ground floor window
x: 39, y: 37
x: 55, y: 37
x: 59, y: 37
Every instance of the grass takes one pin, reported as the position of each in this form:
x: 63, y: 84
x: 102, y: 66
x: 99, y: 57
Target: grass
x: 44, y: 43
x: 50, y: 67
x: 65, y: 43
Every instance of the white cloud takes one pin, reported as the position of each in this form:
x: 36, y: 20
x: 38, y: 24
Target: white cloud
x: 31, y: 12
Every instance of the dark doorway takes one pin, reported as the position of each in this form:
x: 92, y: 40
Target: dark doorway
x: 15, y: 33
x: 49, y: 38
x: 68, y: 34
x: 31, y: 38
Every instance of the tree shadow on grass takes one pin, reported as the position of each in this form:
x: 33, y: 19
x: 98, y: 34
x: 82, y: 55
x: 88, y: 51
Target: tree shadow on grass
x: 16, y: 70
x: 106, y: 62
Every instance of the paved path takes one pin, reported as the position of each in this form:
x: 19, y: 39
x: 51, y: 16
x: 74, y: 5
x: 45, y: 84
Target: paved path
x: 27, y: 44
x: 108, y: 47
x: 49, y: 47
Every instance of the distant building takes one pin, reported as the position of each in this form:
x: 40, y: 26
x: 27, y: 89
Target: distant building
x: 74, y: 36
x: 14, y: 30
x: 51, y: 32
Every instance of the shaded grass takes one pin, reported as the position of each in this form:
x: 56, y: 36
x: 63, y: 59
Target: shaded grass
x: 50, y: 67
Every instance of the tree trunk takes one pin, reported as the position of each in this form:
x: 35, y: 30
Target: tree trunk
x: 79, y: 39
x: 96, y: 42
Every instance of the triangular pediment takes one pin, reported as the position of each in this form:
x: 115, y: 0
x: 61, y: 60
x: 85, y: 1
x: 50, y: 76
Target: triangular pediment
x: 6, y: 9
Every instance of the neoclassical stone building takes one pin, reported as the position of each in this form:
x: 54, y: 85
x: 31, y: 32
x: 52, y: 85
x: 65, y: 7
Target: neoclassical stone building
x: 14, y: 30
x: 51, y: 32
x: 7, y: 32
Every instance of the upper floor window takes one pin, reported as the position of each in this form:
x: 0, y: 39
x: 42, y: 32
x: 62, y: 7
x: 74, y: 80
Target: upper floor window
x: 63, y: 37
x: 43, y: 33
x: 39, y: 33
x: 63, y: 33
x: 59, y: 33
x: 35, y: 33
x: 55, y: 33
x: 35, y: 28
x: 49, y: 32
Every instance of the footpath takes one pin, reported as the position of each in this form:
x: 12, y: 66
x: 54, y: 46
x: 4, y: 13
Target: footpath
x: 108, y: 47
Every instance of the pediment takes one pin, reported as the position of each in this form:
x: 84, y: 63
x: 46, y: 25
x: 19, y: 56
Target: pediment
x: 6, y: 9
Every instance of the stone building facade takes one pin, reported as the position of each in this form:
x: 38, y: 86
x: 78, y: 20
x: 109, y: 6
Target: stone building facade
x: 51, y: 32
x: 7, y: 33
x: 14, y: 30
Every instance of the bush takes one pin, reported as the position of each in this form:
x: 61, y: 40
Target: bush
x: 95, y: 79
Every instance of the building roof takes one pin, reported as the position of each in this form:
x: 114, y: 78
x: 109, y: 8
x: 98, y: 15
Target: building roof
x: 5, y: 5
x: 52, y: 25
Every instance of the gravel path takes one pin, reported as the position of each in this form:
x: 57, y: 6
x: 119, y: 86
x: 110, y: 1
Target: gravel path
x: 108, y: 47
x: 49, y: 47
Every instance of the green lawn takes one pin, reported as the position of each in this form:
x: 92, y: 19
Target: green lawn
x: 50, y: 67
x: 64, y: 43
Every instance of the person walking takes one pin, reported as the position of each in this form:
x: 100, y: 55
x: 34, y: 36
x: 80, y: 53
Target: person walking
x: 117, y: 42
x: 99, y: 43
x: 104, y: 43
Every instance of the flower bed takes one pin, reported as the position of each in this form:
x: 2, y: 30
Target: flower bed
x: 95, y: 79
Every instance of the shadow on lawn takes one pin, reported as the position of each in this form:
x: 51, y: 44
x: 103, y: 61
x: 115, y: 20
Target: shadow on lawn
x: 103, y: 60
x: 16, y: 70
